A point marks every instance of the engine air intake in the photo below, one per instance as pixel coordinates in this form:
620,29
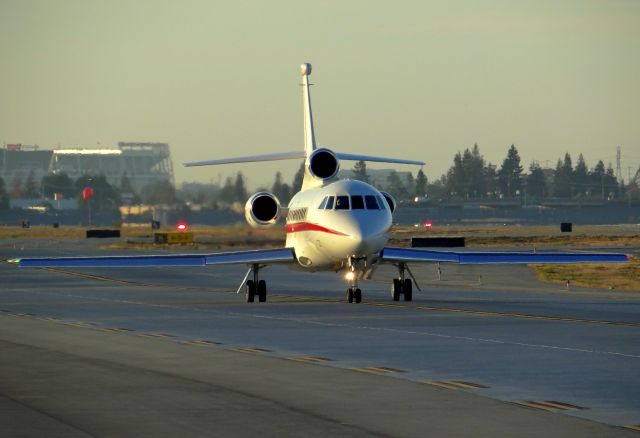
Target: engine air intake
323,164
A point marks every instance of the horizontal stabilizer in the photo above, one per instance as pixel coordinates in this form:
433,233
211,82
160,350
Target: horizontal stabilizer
267,256
358,157
250,159
481,258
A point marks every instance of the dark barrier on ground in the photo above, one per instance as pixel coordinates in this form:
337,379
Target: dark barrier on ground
566,227
103,233
437,242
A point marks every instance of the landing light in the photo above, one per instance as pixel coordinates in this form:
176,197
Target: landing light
182,226
350,275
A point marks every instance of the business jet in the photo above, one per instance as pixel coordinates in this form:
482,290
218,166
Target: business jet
331,225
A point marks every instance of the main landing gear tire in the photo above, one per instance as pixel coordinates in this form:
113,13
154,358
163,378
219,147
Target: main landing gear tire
262,291
350,295
251,291
396,289
399,287
407,289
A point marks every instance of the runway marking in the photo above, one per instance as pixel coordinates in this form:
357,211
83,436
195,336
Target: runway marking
200,342
155,335
309,359
548,405
299,298
377,370
454,384
251,350
125,282
117,330
635,427
80,324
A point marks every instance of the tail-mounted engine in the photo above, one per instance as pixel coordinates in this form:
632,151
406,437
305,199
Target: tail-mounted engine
323,164
390,201
262,210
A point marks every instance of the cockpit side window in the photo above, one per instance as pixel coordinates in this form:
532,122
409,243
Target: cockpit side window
371,202
381,203
329,205
357,203
342,203
323,203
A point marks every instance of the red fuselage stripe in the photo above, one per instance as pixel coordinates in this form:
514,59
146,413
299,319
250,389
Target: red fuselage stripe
305,226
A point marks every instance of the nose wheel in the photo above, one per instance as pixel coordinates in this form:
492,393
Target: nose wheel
354,294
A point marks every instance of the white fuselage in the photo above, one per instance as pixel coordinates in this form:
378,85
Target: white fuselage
333,224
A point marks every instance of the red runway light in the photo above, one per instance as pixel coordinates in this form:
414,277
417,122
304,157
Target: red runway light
182,226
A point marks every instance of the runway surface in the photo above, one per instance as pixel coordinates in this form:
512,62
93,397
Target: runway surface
486,350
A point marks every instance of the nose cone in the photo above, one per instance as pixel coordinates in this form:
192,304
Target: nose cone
364,236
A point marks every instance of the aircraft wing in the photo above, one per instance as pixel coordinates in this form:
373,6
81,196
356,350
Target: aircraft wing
358,157
266,256
486,258
250,159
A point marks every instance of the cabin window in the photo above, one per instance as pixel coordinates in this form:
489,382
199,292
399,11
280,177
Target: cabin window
323,203
329,205
381,202
342,203
357,203
371,202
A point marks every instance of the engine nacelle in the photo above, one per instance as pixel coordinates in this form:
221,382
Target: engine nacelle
262,210
323,164
390,201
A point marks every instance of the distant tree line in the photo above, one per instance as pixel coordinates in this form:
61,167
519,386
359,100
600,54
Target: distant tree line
470,178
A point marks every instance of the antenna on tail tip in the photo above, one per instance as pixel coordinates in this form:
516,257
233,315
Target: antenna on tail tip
305,69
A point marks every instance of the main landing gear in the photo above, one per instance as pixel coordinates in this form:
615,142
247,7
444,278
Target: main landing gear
256,286
403,286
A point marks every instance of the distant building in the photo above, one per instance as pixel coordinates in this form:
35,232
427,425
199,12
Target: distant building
142,163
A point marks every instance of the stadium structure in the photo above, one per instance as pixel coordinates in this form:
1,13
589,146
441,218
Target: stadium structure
142,163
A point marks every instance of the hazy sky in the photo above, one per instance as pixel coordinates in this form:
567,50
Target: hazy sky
413,79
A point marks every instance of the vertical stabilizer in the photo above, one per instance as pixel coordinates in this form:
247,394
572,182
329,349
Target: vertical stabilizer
309,134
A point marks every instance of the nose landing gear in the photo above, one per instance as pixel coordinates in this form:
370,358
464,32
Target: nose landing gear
353,293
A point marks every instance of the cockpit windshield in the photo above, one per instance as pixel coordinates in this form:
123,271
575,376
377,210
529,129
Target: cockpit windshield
354,202
342,203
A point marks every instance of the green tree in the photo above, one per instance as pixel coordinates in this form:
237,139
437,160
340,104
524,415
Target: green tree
360,171
509,175
228,193
280,189
580,177
467,178
58,183
4,196
298,178
491,180
536,185
410,185
562,178
239,189
421,183
395,186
